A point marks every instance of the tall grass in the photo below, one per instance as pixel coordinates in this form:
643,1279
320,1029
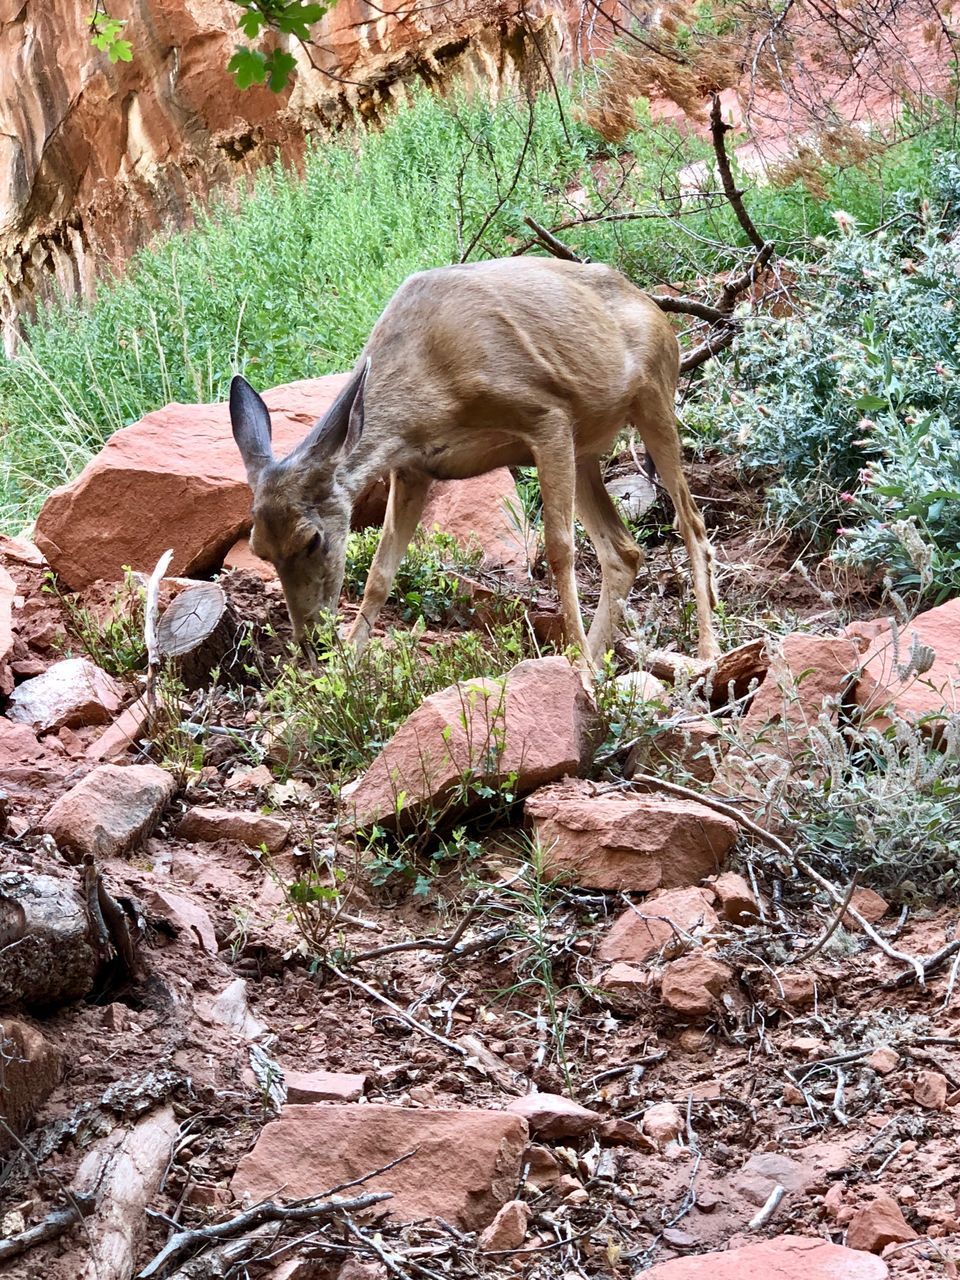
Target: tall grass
285,279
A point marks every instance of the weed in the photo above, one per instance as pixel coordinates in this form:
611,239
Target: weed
429,581
114,637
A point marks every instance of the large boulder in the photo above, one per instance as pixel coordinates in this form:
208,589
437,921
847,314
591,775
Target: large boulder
181,466
634,842
484,513
462,1165
532,727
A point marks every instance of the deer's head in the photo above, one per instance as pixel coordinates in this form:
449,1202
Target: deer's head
301,513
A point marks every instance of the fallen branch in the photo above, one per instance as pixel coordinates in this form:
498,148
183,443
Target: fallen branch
781,846
185,1242
550,242
51,1228
395,1008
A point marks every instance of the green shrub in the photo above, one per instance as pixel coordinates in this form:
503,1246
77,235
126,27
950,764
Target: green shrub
850,403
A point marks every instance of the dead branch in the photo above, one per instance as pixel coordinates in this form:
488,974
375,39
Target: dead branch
505,196
185,1242
551,243
715,342
734,195
395,1009
690,307
51,1228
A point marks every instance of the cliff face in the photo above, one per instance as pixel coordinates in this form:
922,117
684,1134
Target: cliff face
96,157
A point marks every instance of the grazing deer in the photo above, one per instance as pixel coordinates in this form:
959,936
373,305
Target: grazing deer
511,362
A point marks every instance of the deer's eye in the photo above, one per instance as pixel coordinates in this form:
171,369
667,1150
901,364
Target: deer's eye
313,545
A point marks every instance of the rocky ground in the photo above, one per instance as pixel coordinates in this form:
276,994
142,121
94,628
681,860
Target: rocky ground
659,1040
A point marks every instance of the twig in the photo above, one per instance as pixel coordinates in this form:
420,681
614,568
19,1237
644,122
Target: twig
929,964
509,191
770,1207
781,846
395,1008
833,926
717,132
550,241
185,1241
51,1228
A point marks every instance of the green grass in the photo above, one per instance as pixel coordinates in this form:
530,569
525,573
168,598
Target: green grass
285,280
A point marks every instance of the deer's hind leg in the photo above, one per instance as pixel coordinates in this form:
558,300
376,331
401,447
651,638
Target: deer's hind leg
408,496
617,552
553,454
657,424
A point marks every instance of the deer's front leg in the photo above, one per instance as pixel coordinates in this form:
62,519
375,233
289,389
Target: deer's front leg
408,494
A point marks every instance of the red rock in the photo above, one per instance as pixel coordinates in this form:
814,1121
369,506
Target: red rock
119,737
884,1060
659,924
535,724
881,688
188,916
635,842
930,1090
465,1164
241,557
20,551
869,904
485,513
31,1069
252,829
693,984
878,1223
783,1258
689,747
180,461
111,811
663,1123
636,687
324,1086
507,1230
18,744
807,674
542,1167
550,1115
768,1169
72,692
738,903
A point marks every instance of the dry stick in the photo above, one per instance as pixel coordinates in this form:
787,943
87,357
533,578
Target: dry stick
550,241
185,1241
834,924
781,846
395,1008
51,1228
770,1207
929,964
717,132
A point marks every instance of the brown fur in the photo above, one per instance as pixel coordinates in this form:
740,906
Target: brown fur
512,362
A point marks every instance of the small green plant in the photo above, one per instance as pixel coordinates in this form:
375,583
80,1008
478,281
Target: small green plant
113,637
340,717
428,584
540,951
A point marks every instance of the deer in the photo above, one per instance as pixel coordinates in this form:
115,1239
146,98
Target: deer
509,362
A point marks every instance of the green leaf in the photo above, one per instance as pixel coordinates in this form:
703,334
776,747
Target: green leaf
120,51
248,66
870,404
280,65
252,23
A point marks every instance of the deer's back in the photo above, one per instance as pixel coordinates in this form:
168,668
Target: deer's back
466,360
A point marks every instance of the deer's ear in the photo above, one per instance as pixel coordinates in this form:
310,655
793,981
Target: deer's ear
339,430
250,419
